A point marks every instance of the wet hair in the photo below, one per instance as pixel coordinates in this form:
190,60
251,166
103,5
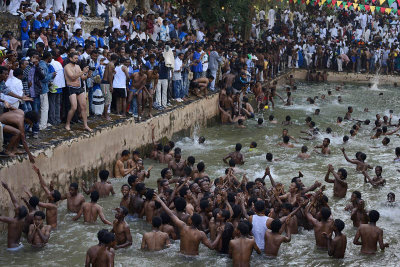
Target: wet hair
259,205
165,218
276,225
101,234
56,195
196,220
304,149
202,139
74,185
287,206
243,228
191,160
22,212
226,237
140,187
200,166
159,147
260,121
249,185
329,130
367,122
373,216
308,119
312,123
132,179
125,153
326,213
343,172
156,222
104,175
171,144
39,213
108,238
164,172
339,119
232,163
352,132
357,194
328,140
204,204
397,151
345,138
34,201
33,116
238,147
149,194
183,191
339,225
386,139
269,156
166,149
271,117
236,211
124,210
126,186
94,196
254,144
180,204
363,156
288,118
187,170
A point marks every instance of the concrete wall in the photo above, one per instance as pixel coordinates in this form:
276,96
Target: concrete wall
82,157
352,77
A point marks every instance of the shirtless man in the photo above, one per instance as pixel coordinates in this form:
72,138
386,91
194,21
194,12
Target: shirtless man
165,157
107,84
359,214
241,248
370,235
337,245
16,224
53,197
39,234
286,142
137,202
339,183
166,227
14,123
377,180
303,154
360,161
155,240
126,196
226,117
325,150
151,82
177,165
273,239
119,170
74,199
200,85
101,254
121,229
103,187
139,89
189,234
323,226
91,210
237,156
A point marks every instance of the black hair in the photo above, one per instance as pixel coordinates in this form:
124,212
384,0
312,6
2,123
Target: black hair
22,212
276,225
39,213
243,227
286,139
287,206
345,138
326,213
34,201
104,175
271,117
387,139
149,194
132,179
164,172
33,116
204,204
259,205
200,166
56,195
191,160
357,194
125,152
260,121
288,118
343,172
339,119
373,216
304,149
94,196
156,222
74,185
339,225
269,156
238,147
196,220
232,163
180,204
183,191
140,187
124,210
165,218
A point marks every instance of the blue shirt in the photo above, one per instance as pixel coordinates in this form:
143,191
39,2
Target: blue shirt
80,40
199,66
151,67
24,35
37,25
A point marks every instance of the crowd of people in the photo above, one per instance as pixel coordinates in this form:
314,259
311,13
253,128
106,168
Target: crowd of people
157,58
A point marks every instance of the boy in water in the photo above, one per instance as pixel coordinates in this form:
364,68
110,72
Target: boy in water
337,245
39,234
237,156
325,150
324,226
91,210
339,183
370,235
101,254
241,248
119,169
287,121
303,154
103,187
271,119
155,240
360,161
377,180
74,198
121,229
286,142
273,239
16,224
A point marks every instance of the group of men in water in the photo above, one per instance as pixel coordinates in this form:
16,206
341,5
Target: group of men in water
228,214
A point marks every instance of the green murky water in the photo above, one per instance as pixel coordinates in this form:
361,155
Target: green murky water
68,244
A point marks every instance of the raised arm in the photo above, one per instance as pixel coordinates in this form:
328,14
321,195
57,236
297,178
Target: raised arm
347,158
42,183
327,179
309,216
337,178
13,199
178,223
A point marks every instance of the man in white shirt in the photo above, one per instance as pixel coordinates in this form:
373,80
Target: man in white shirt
200,35
55,91
16,87
177,78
